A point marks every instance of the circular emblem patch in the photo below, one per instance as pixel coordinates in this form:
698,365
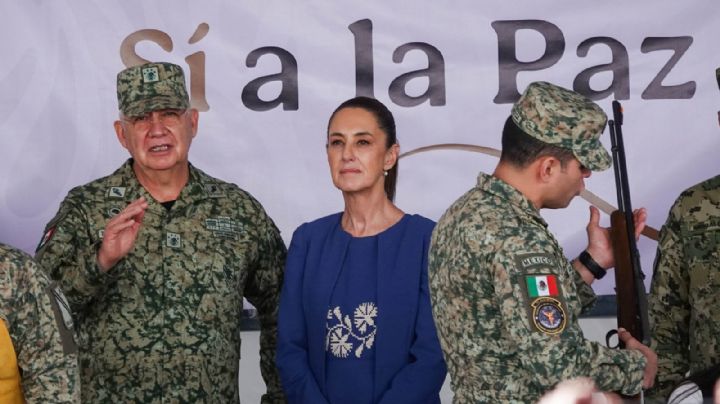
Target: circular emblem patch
548,315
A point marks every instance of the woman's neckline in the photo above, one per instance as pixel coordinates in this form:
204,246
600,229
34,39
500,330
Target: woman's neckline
386,230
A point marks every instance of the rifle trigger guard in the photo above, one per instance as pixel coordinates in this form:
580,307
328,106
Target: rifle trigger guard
609,335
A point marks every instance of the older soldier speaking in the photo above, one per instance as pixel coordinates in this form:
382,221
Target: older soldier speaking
156,257
506,300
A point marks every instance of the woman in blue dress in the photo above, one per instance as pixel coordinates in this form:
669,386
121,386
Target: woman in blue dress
355,322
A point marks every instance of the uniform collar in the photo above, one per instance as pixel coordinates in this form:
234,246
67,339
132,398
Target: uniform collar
514,198
199,186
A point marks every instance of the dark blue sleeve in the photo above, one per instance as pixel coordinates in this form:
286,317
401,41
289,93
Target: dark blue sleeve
421,380
292,361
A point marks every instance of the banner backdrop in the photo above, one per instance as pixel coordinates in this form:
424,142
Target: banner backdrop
267,74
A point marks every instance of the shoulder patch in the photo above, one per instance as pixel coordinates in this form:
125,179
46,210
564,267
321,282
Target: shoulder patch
548,315
52,225
46,237
541,285
535,260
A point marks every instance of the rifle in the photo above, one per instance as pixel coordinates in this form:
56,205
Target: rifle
632,311
629,277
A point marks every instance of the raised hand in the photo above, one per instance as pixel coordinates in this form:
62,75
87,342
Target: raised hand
120,234
599,243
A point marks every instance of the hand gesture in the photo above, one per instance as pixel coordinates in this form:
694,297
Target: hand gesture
599,243
120,234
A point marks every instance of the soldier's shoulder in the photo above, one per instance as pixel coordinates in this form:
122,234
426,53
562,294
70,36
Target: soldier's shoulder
96,188
15,258
12,253
227,189
230,196
705,192
16,264
710,185
482,215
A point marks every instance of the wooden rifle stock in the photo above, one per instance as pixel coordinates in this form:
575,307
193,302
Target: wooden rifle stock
629,315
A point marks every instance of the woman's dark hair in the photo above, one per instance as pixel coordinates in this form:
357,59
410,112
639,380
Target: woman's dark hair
386,122
705,381
521,149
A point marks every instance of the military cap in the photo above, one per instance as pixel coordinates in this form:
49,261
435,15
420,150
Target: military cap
563,118
151,86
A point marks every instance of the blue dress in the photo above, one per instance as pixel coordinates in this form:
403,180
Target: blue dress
373,287
352,326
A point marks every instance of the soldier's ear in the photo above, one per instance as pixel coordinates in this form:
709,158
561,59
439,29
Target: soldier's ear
547,167
120,133
194,117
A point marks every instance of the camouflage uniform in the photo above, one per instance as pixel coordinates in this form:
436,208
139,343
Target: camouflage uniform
39,324
685,292
505,299
163,325
485,247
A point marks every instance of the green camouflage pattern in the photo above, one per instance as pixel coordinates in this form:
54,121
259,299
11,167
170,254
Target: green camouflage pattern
149,87
684,297
163,325
483,248
30,307
564,118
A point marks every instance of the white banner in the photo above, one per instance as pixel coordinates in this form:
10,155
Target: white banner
267,75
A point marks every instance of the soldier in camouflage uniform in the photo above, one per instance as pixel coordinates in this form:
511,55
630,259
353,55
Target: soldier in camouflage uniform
38,358
155,260
684,301
505,299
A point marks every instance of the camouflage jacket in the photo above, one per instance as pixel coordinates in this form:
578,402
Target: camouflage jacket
506,303
40,327
163,325
685,290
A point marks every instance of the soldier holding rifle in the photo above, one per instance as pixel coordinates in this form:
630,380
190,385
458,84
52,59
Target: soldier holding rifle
505,299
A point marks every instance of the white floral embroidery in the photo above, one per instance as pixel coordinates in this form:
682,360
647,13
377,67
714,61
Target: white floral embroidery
339,343
365,316
341,337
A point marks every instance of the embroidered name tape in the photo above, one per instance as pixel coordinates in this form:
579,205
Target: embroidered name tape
223,227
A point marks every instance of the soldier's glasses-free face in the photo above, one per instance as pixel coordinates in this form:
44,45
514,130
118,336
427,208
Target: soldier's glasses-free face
167,117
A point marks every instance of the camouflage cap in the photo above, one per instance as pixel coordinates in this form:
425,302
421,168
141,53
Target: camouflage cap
563,118
149,87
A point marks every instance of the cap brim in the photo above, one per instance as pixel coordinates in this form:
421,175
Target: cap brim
593,156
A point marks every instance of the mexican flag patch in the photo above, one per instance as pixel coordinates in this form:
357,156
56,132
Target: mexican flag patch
541,285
